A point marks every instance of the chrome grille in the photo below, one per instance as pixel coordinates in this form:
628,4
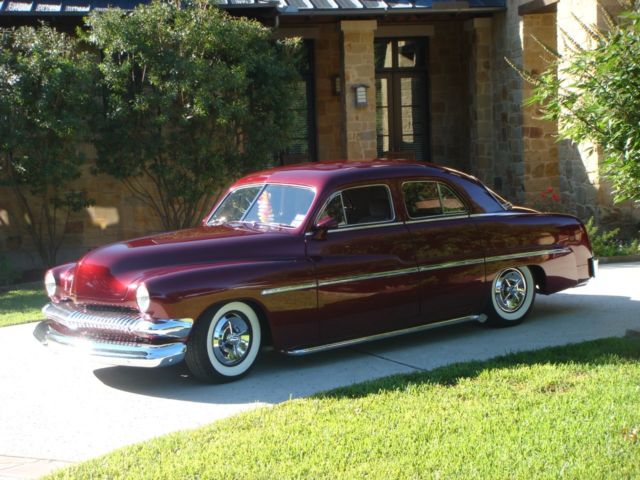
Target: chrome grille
77,317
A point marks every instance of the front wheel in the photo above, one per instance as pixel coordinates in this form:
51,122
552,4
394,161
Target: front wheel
512,293
224,343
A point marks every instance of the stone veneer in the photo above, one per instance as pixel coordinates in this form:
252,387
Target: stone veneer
478,122
541,161
507,176
358,68
449,95
329,115
116,215
481,98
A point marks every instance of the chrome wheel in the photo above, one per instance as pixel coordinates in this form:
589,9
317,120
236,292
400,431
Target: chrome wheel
224,343
512,294
231,339
510,290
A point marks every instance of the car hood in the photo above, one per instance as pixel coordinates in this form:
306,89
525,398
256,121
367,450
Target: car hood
111,273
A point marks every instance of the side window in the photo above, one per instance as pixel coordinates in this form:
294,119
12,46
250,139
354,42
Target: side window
421,199
427,199
360,205
333,209
450,201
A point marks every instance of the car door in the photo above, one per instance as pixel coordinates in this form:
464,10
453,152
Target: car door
365,266
448,248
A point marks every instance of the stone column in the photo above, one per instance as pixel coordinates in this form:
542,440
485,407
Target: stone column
481,99
328,104
358,68
539,136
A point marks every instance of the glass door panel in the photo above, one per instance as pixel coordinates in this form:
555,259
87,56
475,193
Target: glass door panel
401,98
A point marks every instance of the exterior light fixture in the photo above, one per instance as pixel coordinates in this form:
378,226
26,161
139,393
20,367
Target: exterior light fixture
361,95
336,85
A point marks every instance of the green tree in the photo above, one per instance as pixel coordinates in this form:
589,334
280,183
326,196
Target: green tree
46,96
593,92
193,97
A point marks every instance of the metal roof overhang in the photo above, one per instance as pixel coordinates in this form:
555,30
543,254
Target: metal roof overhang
267,9
390,12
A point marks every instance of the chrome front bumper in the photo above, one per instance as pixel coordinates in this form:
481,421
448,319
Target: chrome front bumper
172,332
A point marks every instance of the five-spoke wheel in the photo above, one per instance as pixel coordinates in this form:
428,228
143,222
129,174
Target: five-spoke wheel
224,343
512,294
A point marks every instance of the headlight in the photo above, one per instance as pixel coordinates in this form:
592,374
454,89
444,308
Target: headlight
142,297
50,283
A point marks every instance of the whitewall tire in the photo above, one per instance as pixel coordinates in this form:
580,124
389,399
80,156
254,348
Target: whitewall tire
225,343
513,291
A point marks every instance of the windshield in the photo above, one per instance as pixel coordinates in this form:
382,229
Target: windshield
270,204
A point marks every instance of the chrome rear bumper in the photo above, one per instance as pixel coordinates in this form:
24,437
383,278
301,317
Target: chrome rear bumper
173,333
593,267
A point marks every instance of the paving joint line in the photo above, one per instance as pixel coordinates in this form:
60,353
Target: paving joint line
382,357
38,459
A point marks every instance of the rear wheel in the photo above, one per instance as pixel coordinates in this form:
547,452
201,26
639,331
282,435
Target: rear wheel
512,293
224,343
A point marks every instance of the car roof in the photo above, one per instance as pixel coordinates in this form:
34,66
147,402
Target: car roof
322,174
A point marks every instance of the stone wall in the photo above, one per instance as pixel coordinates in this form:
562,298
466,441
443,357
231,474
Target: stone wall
116,215
481,159
328,105
358,69
539,136
449,96
508,150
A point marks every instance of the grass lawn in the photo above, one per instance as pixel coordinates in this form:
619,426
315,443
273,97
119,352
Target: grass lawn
22,305
570,412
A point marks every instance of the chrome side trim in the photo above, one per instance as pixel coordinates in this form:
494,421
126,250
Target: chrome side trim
460,263
134,355
408,271
364,226
535,253
368,276
438,218
74,318
504,213
289,288
380,336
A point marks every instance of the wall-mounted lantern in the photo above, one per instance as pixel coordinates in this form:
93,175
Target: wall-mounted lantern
336,85
360,90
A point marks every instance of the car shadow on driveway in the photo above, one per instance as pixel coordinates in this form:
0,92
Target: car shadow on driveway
555,320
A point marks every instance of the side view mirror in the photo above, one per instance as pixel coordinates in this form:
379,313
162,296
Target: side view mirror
321,228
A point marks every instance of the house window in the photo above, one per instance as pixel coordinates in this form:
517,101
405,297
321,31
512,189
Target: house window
302,147
401,98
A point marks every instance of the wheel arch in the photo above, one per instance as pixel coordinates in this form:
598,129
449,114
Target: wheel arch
261,312
539,277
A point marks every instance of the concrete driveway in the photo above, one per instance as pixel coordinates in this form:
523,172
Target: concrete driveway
54,411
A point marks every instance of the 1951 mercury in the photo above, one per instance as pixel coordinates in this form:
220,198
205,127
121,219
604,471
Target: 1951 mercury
312,257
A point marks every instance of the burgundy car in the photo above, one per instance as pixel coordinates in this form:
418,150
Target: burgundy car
313,257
